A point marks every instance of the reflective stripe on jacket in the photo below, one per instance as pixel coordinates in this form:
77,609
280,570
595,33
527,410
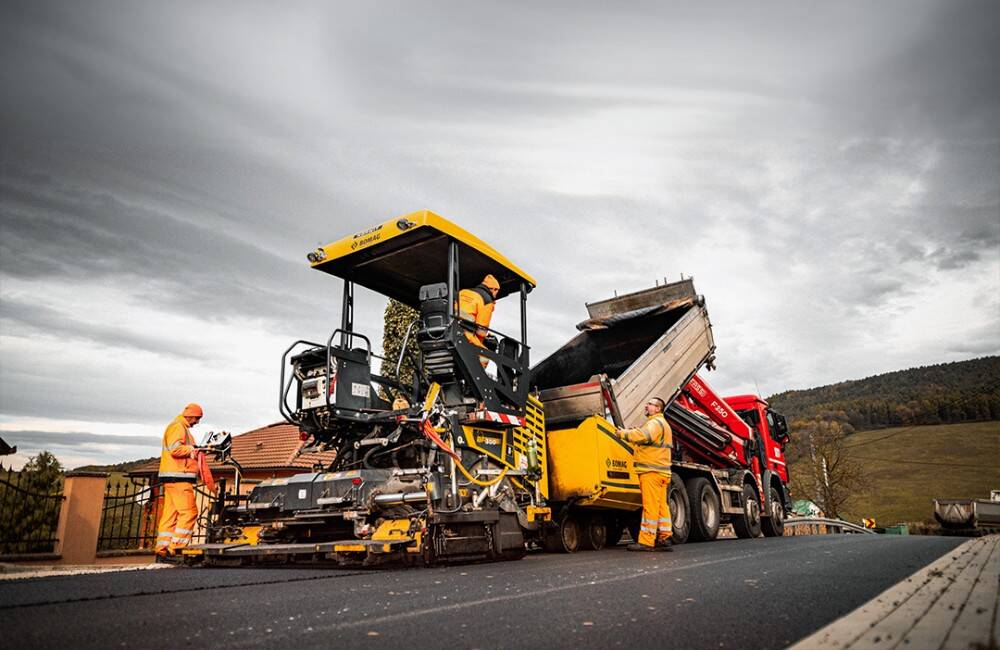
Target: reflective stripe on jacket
476,306
175,458
652,442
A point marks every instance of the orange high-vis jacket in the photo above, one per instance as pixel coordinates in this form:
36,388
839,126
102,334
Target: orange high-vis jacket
476,306
652,442
176,463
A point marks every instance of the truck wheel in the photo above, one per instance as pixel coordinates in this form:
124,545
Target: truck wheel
774,526
705,510
748,524
680,510
564,537
595,534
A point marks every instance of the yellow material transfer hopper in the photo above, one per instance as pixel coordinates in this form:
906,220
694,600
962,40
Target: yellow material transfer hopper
590,467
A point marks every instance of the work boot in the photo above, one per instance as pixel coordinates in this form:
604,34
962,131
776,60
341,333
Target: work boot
640,547
168,558
665,545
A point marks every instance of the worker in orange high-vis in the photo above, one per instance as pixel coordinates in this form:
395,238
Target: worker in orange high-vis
178,475
475,306
651,451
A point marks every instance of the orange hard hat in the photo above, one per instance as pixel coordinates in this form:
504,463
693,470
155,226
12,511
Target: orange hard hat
192,411
491,283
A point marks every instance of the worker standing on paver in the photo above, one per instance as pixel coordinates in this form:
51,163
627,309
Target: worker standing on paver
652,442
476,306
178,475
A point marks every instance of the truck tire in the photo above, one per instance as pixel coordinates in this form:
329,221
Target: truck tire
680,513
594,533
706,510
564,537
747,525
774,526
680,510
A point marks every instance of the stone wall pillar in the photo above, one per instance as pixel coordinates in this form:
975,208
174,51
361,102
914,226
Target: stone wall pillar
80,517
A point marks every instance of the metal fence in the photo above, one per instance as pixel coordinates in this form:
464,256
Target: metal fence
29,513
131,513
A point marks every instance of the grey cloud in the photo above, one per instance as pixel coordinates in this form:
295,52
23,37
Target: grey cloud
909,251
37,319
874,291
982,340
948,260
190,156
57,232
936,75
666,45
77,449
978,348
53,440
158,93
944,258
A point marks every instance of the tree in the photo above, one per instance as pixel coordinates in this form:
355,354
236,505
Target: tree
825,470
42,473
398,318
34,514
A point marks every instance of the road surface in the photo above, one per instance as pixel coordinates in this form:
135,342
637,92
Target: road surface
763,593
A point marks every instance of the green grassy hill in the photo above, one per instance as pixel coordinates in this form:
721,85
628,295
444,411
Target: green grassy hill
911,466
947,393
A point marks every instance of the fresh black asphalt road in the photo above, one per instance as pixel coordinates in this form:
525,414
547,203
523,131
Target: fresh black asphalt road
761,593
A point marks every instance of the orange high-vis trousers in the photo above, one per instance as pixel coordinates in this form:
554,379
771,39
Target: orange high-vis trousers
655,524
179,516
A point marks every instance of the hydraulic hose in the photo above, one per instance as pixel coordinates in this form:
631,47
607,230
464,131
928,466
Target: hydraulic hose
432,433
476,481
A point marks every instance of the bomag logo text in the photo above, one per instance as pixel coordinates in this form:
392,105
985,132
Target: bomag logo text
370,231
614,463
366,237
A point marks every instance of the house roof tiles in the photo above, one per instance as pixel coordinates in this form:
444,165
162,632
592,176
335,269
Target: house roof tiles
272,447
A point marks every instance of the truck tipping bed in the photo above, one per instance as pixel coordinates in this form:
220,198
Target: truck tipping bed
633,347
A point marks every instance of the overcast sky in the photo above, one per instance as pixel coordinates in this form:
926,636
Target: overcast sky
827,172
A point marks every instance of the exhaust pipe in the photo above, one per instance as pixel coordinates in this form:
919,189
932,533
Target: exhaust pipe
396,498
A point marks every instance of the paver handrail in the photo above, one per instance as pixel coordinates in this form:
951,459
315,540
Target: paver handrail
845,526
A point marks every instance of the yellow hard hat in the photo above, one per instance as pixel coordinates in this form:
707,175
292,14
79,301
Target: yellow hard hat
490,282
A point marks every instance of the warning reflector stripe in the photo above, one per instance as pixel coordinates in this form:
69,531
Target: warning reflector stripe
493,416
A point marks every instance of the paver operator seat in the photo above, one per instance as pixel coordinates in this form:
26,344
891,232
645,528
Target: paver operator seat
421,260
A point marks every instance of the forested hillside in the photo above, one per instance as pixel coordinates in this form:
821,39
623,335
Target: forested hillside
123,467
962,391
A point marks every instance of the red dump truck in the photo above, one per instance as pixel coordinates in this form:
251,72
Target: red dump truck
728,460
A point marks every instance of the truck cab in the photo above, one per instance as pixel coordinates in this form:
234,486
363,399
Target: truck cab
770,427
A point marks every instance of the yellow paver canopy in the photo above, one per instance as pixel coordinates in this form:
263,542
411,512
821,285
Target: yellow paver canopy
395,258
